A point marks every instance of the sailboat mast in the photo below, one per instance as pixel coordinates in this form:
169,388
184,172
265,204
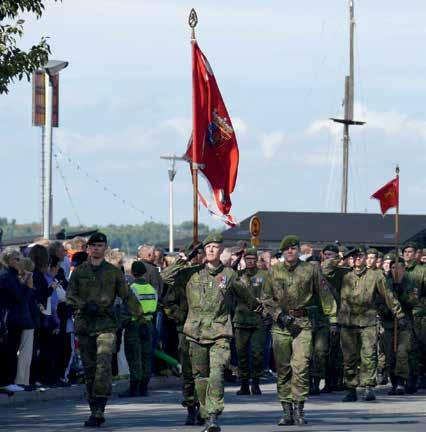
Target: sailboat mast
349,112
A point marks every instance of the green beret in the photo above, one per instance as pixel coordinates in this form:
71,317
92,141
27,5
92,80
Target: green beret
138,268
373,251
330,248
251,251
97,237
380,254
359,249
390,256
410,244
213,238
289,241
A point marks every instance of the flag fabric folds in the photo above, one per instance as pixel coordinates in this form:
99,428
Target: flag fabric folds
388,195
214,145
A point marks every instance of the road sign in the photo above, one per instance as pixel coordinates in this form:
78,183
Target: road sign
255,226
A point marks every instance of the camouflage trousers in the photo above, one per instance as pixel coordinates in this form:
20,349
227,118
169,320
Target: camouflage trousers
188,385
397,363
359,346
419,346
96,354
292,354
208,365
321,338
246,338
138,350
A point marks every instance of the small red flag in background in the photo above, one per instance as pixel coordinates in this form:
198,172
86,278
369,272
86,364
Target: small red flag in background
213,144
388,195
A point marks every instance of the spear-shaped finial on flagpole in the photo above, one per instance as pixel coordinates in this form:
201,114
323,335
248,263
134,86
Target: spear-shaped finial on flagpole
193,21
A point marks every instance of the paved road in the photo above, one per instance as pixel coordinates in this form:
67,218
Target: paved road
162,412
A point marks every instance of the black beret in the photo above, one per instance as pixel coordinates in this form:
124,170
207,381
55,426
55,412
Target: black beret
97,237
138,268
330,248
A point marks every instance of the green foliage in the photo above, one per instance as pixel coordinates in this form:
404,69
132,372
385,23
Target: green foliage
125,237
14,62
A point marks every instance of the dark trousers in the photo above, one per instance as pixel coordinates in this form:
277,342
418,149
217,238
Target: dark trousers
12,346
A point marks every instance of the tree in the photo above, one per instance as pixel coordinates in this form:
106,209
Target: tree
14,62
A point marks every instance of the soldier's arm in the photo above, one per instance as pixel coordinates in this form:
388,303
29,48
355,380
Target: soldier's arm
388,296
241,290
271,305
333,273
328,302
171,273
409,295
127,295
73,298
175,303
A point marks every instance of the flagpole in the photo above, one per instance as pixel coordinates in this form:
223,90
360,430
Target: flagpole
193,21
395,321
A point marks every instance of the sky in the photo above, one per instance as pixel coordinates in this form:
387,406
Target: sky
125,100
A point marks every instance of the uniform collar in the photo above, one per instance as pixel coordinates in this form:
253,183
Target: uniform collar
214,270
291,267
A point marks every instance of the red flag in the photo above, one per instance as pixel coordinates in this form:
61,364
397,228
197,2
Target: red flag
214,144
388,195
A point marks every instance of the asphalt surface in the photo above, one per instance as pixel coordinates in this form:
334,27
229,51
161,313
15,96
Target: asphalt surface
161,411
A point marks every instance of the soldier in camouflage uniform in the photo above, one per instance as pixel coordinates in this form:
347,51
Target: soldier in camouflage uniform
93,288
359,288
210,289
294,289
250,330
416,274
320,337
176,308
334,361
397,363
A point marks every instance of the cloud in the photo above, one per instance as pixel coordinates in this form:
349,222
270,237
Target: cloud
271,142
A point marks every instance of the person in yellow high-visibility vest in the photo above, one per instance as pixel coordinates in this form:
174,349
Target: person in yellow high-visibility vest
138,337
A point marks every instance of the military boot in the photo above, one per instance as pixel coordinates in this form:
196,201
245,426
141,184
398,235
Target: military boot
91,421
400,387
143,387
100,405
288,418
245,389
212,424
394,382
132,391
351,396
255,389
299,413
192,416
369,394
314,388
382,378
411,386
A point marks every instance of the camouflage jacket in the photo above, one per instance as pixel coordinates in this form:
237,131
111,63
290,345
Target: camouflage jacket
406,295
100,285
254,280
297,290
416,274
209,296
358,294
175,277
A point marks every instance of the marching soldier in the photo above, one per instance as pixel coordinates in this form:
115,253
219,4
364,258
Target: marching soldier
416,274
210,289
294,288
249,326
93,288
176,308
397,363
358,289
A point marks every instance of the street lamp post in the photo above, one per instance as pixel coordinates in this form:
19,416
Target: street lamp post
172,173
52,68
